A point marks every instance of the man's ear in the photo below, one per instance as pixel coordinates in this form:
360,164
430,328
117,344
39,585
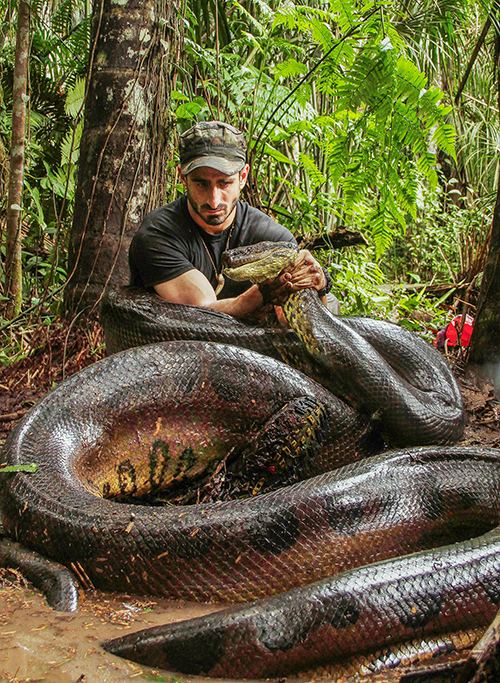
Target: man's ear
182,176
244,176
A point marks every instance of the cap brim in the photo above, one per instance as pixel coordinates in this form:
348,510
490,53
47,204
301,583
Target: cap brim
218,163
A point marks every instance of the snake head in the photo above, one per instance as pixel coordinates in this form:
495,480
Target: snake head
258,262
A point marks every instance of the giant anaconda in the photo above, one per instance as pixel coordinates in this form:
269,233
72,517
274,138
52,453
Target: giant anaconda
149,416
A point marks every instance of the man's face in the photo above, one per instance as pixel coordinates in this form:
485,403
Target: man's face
212,196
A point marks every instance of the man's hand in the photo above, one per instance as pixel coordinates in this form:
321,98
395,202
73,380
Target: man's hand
194,289
304,273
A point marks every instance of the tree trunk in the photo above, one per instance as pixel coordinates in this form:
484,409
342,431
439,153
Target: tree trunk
485,340
123,151
13,270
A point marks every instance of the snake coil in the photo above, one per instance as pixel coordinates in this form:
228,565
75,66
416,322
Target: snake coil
337,563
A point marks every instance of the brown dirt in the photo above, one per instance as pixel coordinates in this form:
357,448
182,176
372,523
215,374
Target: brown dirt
57,353
37,644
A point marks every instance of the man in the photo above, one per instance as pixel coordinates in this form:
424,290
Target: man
178,247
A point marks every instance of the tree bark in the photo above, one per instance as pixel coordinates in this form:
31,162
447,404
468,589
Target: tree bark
485,340
123,151
13,287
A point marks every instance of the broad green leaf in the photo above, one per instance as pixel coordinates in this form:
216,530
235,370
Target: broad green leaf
31,468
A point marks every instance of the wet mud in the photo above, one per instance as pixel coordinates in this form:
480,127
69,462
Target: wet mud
38,644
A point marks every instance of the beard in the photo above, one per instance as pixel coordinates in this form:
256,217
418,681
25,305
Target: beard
201,209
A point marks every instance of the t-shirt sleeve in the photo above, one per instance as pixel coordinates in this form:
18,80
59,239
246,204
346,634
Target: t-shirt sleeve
165,246
259,227
156,257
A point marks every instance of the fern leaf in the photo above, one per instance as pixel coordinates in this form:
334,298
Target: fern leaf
286,15
380,227
444,137
317,178
75,98
290,68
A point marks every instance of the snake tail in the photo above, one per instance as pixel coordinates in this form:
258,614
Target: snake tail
55,581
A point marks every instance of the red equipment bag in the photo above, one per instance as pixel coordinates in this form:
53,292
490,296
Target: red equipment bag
448,336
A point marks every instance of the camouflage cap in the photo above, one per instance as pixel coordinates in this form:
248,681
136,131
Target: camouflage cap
214,144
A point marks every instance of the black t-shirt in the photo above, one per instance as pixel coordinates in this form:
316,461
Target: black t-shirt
169,243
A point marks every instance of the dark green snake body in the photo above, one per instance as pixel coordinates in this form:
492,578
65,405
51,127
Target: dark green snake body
160,415
407,498
377,367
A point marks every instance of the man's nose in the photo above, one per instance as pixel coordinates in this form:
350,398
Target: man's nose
214,197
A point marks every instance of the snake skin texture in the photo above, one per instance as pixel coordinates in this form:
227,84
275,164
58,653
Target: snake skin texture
375,366
55,581
417,498
382,369
368,607
292,539
136,421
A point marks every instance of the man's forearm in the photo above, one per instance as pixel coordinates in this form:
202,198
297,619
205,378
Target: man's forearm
240,306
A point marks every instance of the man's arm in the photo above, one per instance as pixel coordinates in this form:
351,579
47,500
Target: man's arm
194,289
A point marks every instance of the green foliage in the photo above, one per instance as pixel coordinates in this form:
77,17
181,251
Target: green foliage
350,119
443,243
8,469
348,126
363,288
333,104
58,64
357,284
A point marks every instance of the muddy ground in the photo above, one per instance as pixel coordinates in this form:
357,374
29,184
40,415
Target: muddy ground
38,644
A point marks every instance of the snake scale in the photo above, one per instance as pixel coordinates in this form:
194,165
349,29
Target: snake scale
338,563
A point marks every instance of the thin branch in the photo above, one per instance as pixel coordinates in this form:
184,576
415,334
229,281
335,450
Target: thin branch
217,52
473,58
